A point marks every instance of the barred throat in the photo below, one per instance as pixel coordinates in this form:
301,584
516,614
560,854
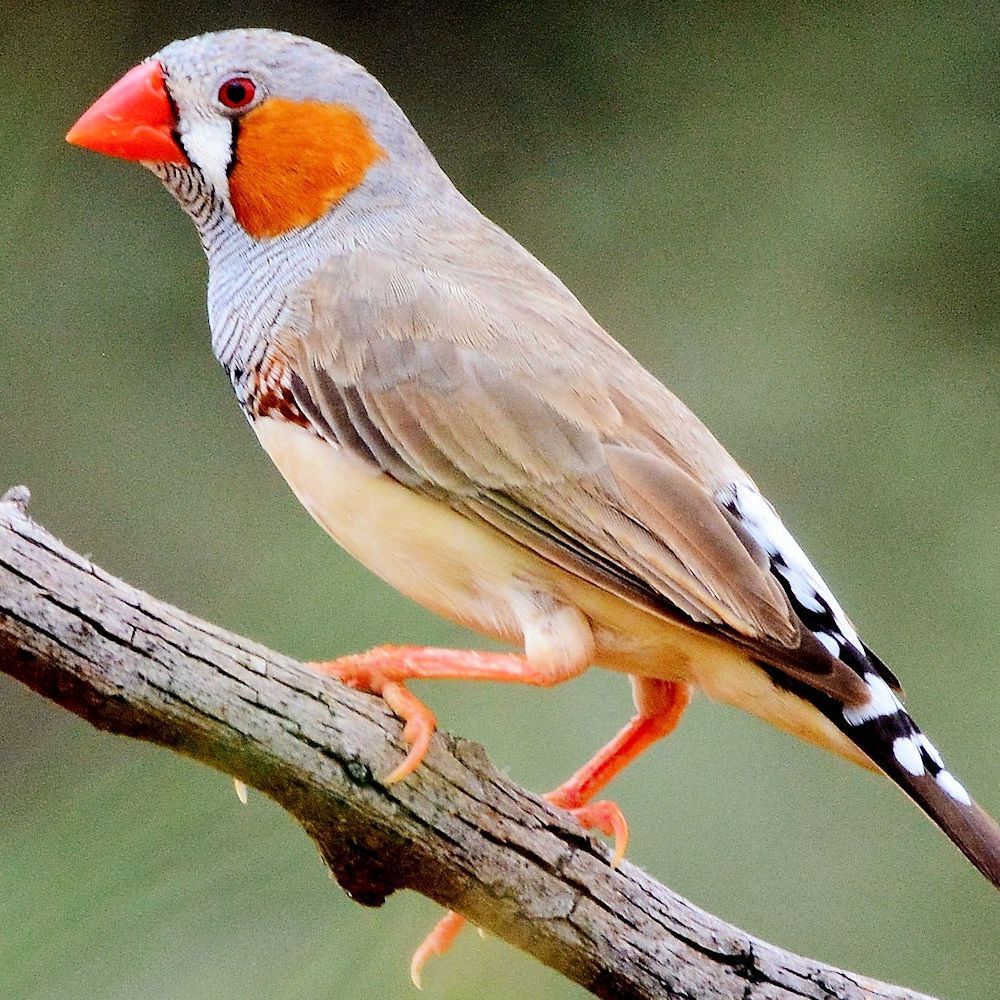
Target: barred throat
196,196
251,283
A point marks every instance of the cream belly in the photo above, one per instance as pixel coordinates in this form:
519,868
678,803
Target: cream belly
472,575
464,571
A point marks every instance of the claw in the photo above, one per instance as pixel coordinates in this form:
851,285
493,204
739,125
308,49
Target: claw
603,817
384,671
419,727
241,790
380,672
607,818
437,942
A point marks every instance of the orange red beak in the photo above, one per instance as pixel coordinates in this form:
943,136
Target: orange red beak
134,119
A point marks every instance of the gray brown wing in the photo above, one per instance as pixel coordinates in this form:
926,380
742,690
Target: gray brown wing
530,441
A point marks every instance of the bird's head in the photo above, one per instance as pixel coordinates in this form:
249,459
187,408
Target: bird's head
261,128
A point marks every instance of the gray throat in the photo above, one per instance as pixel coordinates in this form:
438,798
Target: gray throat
250,282
253,284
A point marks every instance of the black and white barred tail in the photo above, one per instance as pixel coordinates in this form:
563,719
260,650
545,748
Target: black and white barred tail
891,739
879,726
888,737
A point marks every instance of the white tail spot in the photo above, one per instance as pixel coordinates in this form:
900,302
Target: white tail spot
930,749
881,702
828,640
950,784
906,751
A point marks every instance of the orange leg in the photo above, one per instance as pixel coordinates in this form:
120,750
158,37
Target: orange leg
659,706
384,670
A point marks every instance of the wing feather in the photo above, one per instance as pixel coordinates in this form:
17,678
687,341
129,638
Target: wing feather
444,387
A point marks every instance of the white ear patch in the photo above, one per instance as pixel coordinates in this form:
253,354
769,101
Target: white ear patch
208,143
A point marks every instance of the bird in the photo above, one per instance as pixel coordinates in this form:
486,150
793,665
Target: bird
452,415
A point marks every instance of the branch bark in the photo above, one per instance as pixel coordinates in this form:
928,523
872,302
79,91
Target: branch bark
457,830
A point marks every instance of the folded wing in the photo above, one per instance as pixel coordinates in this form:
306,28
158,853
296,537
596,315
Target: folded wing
506,412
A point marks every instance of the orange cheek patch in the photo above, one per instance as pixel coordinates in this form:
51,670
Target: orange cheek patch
294,160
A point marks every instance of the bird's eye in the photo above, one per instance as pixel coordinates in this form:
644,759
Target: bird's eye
237,92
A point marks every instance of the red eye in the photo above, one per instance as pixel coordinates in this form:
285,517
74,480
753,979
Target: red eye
237,92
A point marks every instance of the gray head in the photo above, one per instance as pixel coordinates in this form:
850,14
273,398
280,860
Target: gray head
263,129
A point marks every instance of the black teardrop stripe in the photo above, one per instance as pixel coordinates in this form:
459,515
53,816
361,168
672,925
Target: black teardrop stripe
233,146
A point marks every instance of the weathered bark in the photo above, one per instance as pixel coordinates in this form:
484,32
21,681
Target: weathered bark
457,830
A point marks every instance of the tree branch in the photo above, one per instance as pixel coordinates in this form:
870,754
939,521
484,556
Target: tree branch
456,831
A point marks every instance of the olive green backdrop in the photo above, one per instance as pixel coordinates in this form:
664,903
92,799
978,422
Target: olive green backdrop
790,217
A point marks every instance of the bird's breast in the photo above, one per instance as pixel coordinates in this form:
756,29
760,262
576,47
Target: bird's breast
459,568
418,545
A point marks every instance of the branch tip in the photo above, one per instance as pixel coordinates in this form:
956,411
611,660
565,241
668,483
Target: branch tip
17,496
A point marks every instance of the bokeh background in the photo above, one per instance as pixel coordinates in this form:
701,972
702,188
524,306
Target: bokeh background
789,212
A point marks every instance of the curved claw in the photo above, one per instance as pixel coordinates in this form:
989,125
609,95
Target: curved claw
419,727
607,818
603,817
380,672
440,939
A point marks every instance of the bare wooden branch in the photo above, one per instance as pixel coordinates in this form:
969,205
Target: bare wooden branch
457,830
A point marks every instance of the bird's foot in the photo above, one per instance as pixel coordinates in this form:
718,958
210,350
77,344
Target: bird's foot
384,670
603,817
381,672
438,942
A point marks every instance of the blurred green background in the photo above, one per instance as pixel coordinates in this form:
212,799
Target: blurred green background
790,216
